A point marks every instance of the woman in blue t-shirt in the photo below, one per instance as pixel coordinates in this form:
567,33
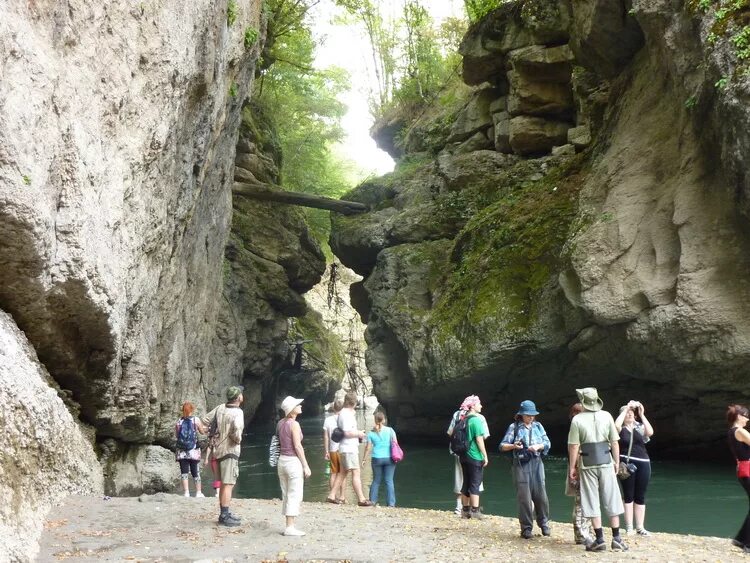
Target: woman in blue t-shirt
379,439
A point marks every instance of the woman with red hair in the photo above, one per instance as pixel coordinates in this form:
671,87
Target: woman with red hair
739,443
188,453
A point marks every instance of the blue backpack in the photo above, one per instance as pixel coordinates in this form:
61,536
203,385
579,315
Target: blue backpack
187,437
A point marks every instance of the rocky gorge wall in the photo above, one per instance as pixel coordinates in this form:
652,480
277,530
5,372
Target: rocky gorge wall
584,222
118,248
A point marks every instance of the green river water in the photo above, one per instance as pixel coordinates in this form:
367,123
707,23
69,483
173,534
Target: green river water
683,497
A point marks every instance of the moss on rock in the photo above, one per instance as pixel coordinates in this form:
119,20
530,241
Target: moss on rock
507,253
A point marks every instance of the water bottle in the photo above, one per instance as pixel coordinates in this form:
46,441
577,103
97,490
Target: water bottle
328,467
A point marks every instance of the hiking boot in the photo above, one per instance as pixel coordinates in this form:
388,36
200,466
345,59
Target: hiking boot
618,544
596,545
465,512
546,531
642,532
526,534
476,513
229,521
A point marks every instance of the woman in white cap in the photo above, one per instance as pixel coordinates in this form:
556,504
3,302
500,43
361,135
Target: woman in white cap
527,440
292,466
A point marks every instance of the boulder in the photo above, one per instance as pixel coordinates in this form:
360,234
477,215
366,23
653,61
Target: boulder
477,142
579,137
133,470
543,64
498,105
475,117
535,135
529,97
604,35
386,129
548,21
502,132
564,150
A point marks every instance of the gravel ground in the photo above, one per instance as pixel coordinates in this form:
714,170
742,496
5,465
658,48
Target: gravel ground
172,528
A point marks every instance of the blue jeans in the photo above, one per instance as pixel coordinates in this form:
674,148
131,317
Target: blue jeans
383,467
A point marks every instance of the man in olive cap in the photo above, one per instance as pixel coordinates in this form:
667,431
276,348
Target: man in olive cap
230,422
594,455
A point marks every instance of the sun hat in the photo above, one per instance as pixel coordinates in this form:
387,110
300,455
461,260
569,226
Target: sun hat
527,408
469,402
288,404
589,398
234,392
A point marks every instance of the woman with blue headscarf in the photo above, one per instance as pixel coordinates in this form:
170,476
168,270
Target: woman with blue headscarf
528,442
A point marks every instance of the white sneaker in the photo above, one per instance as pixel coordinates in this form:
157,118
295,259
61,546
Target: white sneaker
642,532
458,510
629,531
291,531
199,495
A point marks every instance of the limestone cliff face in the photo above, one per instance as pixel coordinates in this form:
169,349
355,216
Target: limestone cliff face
501,269
118,125
46,453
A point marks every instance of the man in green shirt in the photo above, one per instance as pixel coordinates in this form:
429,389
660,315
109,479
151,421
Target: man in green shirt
474,460
594,454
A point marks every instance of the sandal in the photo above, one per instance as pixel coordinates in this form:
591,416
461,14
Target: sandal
365,503
333,500
341,500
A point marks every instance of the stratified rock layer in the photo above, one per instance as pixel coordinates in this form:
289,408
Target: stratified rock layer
626,266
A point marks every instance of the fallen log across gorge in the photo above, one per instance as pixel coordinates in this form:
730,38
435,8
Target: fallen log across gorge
269,192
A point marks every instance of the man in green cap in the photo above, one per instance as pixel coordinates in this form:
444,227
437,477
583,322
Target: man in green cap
594,455
230,422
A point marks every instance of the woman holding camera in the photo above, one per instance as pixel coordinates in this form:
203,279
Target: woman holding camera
635,432
527,440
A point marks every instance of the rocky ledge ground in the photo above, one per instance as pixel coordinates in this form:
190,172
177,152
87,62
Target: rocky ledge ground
172,528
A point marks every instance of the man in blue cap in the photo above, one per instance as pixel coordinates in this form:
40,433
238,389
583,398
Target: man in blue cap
528,441
230,422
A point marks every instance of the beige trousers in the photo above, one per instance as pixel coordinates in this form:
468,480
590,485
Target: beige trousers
292,481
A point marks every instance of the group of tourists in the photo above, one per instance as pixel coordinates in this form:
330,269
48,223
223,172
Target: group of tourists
601,450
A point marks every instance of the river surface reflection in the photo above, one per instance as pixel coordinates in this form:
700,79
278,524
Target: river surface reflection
683,497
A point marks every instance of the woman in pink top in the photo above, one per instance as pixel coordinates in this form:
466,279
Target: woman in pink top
292,466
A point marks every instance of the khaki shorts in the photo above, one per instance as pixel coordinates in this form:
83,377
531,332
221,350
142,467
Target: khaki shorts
349,461
335,462
599,485
229,469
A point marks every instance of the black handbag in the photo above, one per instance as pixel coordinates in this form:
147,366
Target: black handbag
625,470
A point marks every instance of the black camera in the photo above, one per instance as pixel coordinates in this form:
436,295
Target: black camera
632,467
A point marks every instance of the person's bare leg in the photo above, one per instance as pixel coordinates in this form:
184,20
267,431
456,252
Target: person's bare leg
337,484
628,515
639,516
225,495
474,501
357,485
